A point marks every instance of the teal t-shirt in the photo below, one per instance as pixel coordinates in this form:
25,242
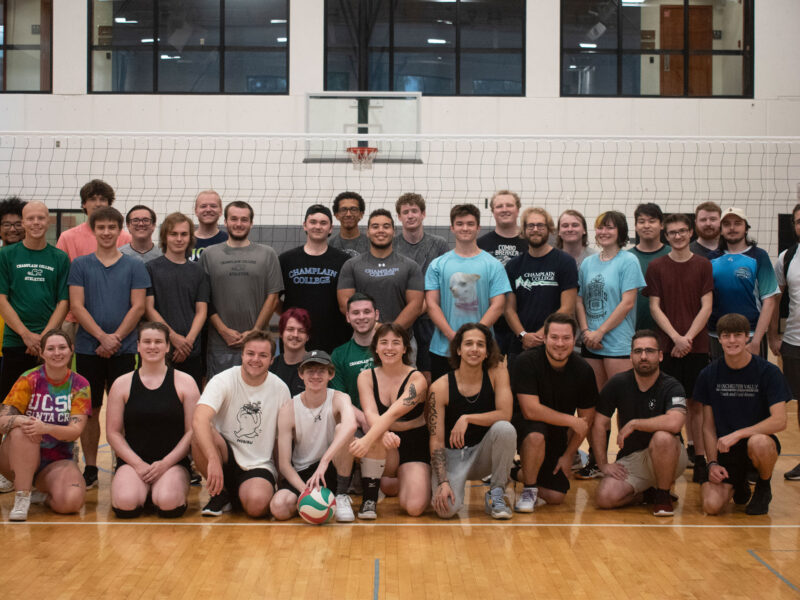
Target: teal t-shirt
644,320
350,359
34,281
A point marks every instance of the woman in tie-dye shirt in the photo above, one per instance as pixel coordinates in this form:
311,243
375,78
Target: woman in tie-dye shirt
43,415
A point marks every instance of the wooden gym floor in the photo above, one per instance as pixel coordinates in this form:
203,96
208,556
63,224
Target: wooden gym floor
569,551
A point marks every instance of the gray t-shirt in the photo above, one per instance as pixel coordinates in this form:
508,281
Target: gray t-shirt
424,251
353,247
241,279
145,257
176,289
385,279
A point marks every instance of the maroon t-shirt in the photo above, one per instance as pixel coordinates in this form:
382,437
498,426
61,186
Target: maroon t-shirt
680,286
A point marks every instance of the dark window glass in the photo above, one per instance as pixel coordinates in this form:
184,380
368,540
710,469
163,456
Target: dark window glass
25,45
182,46
449,48
637,48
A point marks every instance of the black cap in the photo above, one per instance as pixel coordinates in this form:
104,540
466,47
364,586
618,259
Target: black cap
316,356
319,208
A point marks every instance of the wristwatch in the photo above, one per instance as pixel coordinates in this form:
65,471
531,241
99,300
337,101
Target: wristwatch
522,334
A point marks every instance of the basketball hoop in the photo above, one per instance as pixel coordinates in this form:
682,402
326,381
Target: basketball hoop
362,156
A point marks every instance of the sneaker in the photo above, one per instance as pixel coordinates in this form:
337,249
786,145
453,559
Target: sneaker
496,505
22,502
8,486
90,477
344,509
581,459
590,471
752,476
741,493
649,496
195,478
367,510
794,474
759,503
662,507
38,497
527,500
217,505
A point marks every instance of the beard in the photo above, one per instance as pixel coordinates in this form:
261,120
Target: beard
381,246
534,243
236,237
645,369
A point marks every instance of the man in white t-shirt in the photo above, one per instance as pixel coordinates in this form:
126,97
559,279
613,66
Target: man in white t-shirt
235,426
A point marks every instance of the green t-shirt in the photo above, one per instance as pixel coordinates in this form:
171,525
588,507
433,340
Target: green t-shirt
350,359
644,319
34,281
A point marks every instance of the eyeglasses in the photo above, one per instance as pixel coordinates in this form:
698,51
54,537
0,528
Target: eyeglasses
15,225
535,226
144,221
349,209
678,232
640,351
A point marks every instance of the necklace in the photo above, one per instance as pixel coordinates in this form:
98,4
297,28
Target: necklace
605,257
318,415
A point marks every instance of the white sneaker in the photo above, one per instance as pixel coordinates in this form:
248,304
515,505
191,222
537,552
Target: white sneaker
527,500
344,509
38,497
22,502
6,485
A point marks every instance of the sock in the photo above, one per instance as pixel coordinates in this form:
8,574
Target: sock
529,485
699,460
90,469
764,483
371,472
515,471
343,483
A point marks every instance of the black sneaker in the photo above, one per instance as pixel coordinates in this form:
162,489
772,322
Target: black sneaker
590,471
741,493
217,505
759,503
90,477
794,474
195,478
752,476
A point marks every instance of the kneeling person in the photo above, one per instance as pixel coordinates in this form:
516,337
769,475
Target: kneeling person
744,405
468,421
314,431
235,425
550,383
651,409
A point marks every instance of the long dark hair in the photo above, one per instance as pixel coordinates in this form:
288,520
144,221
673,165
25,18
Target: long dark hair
400,332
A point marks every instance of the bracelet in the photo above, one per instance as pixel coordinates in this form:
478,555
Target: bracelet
710,463
441,483
584,330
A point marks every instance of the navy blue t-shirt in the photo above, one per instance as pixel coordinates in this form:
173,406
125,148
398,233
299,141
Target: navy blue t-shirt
740,397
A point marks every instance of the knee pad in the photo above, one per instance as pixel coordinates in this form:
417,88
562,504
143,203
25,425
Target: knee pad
127,514
173,513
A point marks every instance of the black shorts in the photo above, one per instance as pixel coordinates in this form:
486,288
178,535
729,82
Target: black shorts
555,444
414,445
423,333
235,476
305,475
685,369
101,372
791,367
192,366
586,353
15,362
440,365
737,463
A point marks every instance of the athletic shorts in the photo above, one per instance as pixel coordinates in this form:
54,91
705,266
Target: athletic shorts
555,444
305,475
47,456
737,462
423,333
235,476
685,369
641,475
586,353
414,445
791,367
101,372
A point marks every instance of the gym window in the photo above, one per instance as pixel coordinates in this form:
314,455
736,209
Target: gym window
697,48
444,47
25,45
189,46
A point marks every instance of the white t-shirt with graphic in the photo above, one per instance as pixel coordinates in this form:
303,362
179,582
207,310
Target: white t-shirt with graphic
247,416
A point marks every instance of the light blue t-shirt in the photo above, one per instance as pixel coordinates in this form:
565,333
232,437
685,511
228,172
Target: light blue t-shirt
601,285
741,282
466,285
107,296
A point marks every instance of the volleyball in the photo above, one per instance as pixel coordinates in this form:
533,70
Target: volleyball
317,506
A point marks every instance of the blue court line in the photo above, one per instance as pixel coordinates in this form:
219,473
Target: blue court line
376,582
773,571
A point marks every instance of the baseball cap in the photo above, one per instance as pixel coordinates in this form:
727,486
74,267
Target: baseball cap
737,212
316,356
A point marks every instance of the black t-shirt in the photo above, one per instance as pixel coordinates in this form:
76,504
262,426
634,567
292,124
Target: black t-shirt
564,390
622,393
503,249
310,282
537,283
288,374
201,244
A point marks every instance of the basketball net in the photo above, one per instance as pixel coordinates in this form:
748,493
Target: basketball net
362,156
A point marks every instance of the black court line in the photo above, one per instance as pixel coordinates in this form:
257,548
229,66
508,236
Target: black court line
772,570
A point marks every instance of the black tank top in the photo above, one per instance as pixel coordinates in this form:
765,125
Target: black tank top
409,416
153,419
458,405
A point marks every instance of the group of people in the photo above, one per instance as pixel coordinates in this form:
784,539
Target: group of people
411,365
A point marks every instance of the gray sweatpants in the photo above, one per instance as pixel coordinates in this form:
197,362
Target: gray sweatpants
494,455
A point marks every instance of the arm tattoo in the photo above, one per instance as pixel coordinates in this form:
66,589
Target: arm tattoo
433,415
439,465
9,424
7,409
75,420
411,399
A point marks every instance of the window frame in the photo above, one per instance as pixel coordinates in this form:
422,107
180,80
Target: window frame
457,52
747,53
45,45
221,49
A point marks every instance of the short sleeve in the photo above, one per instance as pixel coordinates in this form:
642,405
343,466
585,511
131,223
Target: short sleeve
274,275
569,273
347,279
20,394
675,396
140,278
767,282
582,276
204,289
77,273
701,392
524,380
5,276
81,396
631,276
216,390
498,284
605,401
777,388
416,281
63,275
432,275
588,397
652,280
778,267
